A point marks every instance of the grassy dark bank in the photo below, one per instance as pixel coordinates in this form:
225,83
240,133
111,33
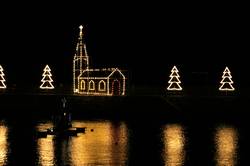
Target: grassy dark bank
127,107
163,108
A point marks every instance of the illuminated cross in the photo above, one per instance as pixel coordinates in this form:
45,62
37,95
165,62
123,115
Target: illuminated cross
80,27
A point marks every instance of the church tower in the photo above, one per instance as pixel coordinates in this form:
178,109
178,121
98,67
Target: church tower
80,61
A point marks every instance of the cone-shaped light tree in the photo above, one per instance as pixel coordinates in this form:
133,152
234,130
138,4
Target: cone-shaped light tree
2,80
226,82
174,82
47,80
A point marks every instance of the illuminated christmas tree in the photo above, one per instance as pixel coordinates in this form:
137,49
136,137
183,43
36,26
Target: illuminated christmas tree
2,80
174,82
226,82
47,80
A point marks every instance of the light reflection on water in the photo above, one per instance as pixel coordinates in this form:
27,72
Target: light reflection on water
3,143
226,139
107,144
174,145
45,147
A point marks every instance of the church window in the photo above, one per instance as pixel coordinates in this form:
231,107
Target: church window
102,86
91,85
82,85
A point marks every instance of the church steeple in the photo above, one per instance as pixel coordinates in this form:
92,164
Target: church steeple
81,47
81,59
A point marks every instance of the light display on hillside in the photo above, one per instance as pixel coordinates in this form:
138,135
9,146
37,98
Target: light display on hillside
97,82
174,82
47,80
2,79
226,82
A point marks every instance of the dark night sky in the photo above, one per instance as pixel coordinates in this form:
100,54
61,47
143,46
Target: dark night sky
146,40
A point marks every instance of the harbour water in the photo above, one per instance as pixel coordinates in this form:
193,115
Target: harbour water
126,142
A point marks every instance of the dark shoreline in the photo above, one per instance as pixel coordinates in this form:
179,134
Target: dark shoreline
163,108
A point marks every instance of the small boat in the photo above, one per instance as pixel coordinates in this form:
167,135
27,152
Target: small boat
72,131
62,125
41,134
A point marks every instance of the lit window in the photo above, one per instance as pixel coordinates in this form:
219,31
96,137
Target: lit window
91,85
102,86
82,85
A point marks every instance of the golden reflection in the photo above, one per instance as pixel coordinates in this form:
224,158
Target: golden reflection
45,147
174,145
105,145
119,136
226,139
3,144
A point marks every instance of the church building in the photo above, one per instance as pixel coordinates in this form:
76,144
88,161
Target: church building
95,82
